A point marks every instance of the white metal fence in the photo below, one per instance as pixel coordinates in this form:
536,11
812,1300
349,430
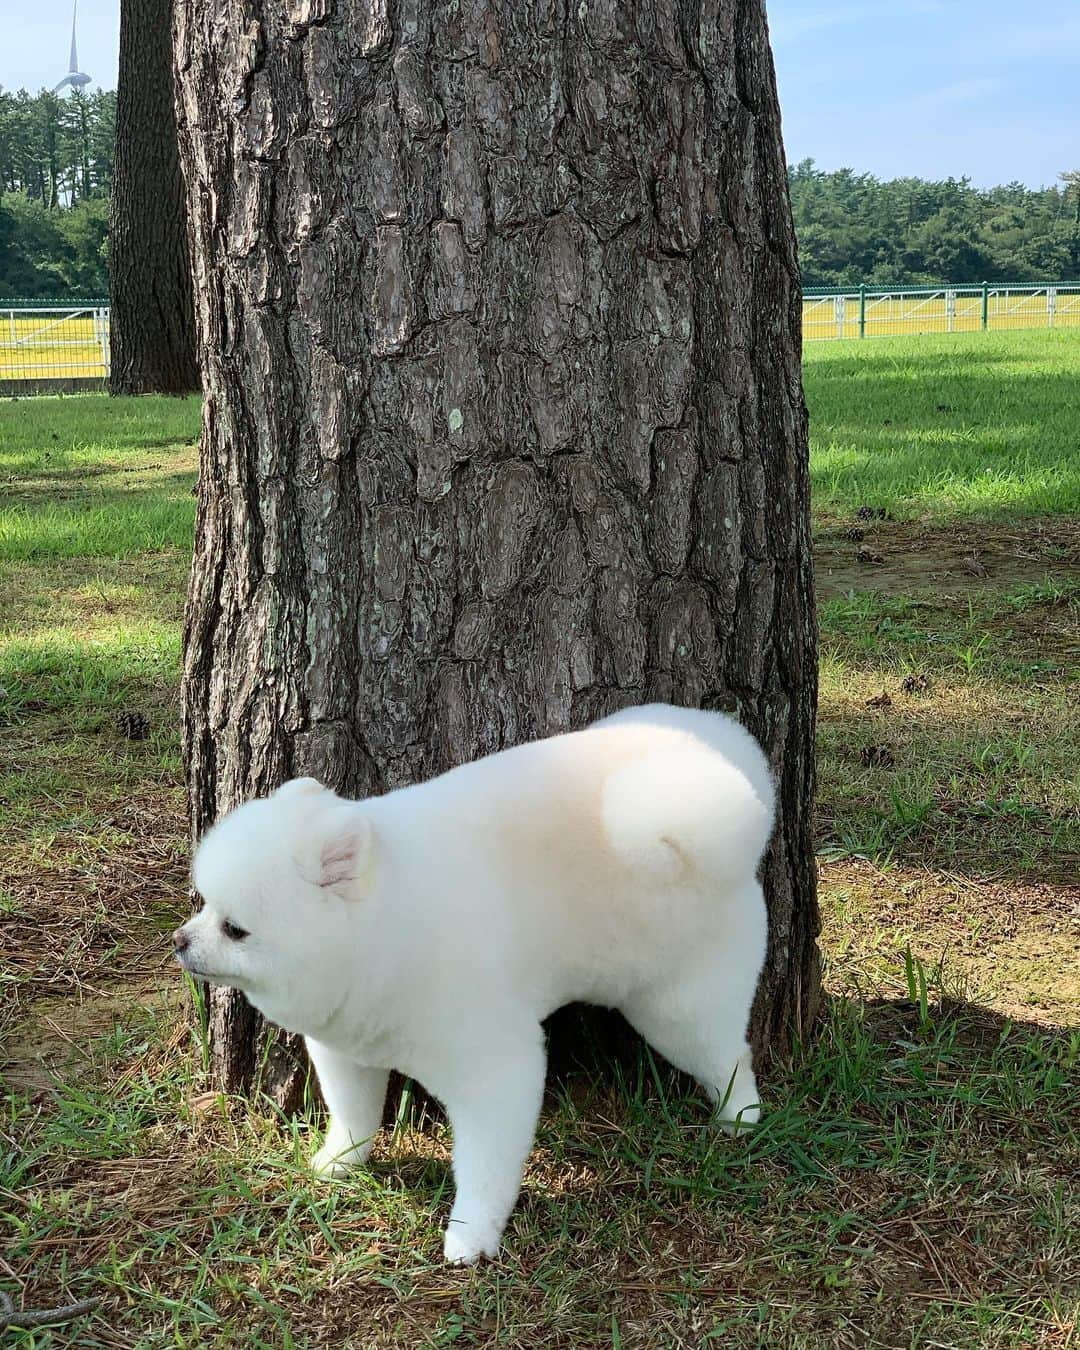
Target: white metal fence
861,311
54,343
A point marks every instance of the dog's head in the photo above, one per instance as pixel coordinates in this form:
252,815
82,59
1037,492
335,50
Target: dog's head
280,879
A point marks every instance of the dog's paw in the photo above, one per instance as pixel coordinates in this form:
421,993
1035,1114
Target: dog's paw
743,1123
333,1160
339,1154
328,1163
464,1244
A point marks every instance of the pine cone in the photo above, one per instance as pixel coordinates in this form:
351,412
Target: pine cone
876,757
133,725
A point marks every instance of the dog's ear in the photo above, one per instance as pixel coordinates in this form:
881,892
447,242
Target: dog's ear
346,853
298,787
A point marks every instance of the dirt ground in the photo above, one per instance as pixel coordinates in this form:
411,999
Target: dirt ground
906,558
89,933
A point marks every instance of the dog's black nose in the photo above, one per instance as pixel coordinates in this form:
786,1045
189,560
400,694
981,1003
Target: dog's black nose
180,941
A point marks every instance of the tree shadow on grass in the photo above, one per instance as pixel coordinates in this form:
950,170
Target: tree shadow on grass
914,1163
64,430
917,1146
884,1053
76,489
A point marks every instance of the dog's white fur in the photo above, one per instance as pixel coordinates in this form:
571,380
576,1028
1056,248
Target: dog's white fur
432,929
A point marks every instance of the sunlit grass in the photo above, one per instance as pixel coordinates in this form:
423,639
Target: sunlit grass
910,1182
974,425
940,722
93,477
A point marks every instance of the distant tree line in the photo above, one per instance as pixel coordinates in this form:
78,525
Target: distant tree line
56,172
853,227
56,169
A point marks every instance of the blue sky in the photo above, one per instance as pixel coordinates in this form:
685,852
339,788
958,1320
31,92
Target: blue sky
989,89
34,38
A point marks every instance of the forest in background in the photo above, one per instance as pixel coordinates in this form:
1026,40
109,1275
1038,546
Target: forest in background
854,228
56,165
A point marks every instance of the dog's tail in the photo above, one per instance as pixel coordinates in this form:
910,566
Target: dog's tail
687,810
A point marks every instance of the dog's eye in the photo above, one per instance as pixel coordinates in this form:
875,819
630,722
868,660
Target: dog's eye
232,931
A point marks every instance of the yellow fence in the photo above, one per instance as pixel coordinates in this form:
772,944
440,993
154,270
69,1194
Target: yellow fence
967,309
66,343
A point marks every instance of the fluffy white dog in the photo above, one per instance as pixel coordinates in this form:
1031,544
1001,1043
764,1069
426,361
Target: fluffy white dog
431,930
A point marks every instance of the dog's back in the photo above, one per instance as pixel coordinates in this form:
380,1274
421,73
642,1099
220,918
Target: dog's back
577,861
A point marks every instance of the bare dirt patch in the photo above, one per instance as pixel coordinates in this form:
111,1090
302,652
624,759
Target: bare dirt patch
53,1041
902,557
82,921
1003,945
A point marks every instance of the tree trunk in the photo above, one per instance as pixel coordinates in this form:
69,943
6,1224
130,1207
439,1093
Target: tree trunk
152,323
504,426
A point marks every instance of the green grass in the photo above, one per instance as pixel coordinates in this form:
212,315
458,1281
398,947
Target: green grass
975,425
985,740
47,435
65,671
912,1182
901,1129
935,427
94,477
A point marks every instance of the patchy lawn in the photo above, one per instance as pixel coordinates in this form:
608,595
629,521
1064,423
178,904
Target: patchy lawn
913,1182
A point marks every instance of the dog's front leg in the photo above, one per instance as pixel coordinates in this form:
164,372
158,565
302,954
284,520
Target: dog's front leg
355,1097
493,1111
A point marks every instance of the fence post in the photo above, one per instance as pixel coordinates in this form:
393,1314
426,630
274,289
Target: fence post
950,310
1051,305
985,306
103,338
862,311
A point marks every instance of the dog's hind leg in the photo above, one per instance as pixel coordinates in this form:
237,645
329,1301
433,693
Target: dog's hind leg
355,1097
699,1023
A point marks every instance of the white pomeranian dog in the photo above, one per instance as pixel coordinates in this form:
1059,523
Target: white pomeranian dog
431,930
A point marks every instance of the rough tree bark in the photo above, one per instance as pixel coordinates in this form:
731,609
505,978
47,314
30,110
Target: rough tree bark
152,322
504,425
